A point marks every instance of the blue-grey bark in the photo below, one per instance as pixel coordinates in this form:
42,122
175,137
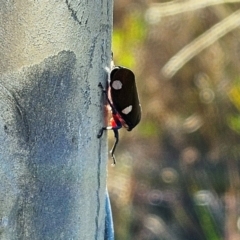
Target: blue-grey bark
109,227
52,166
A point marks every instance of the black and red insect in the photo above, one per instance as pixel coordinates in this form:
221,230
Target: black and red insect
123,99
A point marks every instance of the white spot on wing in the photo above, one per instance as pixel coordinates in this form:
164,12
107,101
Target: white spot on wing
117,85
127,110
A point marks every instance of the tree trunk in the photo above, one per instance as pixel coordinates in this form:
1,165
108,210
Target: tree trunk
52,166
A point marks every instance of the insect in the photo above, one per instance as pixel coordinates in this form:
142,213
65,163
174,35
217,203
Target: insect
123,99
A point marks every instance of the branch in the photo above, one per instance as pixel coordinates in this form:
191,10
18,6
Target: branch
158,10
203,41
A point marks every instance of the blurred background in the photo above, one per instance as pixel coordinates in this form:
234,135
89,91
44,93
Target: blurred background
177,173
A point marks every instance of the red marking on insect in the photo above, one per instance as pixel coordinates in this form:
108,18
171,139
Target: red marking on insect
123,99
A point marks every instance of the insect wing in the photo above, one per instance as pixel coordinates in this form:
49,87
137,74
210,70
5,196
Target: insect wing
124,96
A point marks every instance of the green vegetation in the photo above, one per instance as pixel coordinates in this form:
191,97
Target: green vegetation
183,160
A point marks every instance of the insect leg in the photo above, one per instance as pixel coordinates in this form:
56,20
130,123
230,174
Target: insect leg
115,127
109,102
116,135
100,133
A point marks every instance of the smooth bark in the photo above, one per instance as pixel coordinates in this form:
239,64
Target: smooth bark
52,166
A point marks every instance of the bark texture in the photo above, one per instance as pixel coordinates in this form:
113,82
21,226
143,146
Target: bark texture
52,166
